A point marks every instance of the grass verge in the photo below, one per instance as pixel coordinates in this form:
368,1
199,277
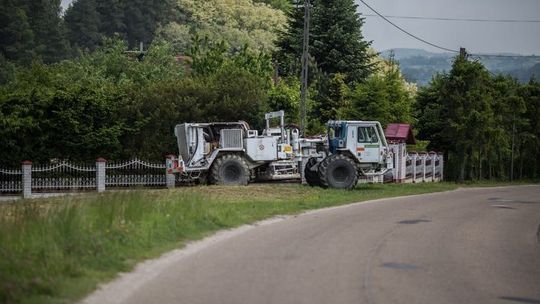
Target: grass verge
58,250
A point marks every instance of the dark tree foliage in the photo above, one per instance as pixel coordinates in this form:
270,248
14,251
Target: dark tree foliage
339,54
112,17
338,43
107,104
83,23
290,42
135,21
528,139
16,35
32,28
484,124
49,29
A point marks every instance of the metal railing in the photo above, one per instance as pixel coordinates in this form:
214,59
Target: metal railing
135,173
10,181
64,176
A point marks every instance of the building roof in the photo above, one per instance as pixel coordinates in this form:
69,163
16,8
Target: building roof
400,133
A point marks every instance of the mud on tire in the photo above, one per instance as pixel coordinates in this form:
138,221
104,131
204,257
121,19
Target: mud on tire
338,171
229,169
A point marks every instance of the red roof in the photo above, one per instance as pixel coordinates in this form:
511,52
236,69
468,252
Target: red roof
400,133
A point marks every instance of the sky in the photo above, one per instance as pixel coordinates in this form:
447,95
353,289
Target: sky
476,37
65,3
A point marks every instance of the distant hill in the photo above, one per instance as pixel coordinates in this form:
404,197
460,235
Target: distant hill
401,53
524,75
420,65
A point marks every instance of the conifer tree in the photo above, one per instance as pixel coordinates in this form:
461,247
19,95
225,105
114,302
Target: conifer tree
83,23
135,20
49,30
16,36
32,28
338,44
112,16
142,17
289,45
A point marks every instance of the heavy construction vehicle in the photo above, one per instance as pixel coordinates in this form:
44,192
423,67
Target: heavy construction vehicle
352,149
233,154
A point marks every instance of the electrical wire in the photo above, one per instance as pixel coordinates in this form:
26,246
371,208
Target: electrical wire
454,19
406,32
438,46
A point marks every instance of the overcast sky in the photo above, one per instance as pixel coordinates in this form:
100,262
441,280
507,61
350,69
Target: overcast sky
477,37
485,37
65,3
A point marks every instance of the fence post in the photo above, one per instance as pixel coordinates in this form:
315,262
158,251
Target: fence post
27,178
433,157
395,156
101,165
441,166
424,158
170,178
413,163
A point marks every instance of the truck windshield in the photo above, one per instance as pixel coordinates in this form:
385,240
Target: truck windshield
367,135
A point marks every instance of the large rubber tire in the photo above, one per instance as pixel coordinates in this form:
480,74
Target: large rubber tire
230,169
312,177
339,172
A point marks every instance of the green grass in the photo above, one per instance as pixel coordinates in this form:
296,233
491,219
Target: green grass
58,250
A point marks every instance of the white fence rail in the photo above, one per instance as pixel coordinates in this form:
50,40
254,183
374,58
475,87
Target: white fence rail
414,167
99,176
422,167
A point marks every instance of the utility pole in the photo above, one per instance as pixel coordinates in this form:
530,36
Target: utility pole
463,52
305,67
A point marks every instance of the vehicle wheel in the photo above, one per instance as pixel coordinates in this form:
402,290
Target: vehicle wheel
230,169
338,171
312,177
203,179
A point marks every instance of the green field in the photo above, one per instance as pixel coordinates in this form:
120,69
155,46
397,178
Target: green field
58,250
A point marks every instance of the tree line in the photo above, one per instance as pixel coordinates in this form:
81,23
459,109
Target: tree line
69,90
486,124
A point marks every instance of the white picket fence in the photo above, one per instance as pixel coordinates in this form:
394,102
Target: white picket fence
64,176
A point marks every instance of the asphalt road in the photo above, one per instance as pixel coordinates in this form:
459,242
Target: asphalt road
464,246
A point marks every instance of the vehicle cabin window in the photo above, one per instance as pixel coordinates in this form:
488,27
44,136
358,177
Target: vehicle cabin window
367,135
334,132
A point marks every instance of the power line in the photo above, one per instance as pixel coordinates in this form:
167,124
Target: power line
454,19
406,32
435,45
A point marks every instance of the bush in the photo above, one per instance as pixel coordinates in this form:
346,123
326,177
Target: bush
116,106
